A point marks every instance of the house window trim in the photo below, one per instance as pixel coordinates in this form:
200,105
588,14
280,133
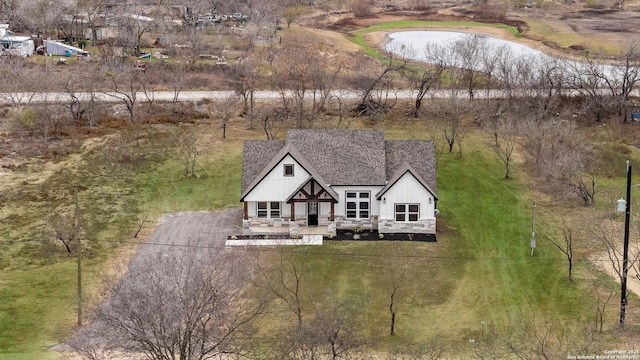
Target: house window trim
269,211
357,200
284,170
407,212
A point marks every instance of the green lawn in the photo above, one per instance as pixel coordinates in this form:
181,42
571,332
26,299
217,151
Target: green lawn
479,270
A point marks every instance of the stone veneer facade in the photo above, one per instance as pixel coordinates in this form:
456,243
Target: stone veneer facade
423,226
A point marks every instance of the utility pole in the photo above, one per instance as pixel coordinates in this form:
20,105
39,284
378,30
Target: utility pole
533,229
79,251
625,256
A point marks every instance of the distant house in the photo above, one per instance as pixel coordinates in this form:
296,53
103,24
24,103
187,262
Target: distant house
341,179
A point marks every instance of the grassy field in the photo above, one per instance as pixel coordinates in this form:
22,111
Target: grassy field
480,270
118,181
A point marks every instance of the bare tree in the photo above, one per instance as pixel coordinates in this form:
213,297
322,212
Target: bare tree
141,220
284,282
431,349
624,79
307,77
587,78
468,53
18,81
372,85
224,108
504,138
565,244
396,279
132,26
545,339
452,112
292,13
187,148
272,118
584,185
245,78
126,83
604,292
334,333
191,303
65,228
428,76
603,234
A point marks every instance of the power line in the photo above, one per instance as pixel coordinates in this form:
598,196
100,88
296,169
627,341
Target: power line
327,253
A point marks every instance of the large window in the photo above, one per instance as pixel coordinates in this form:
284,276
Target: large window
407,212
358,204
268,210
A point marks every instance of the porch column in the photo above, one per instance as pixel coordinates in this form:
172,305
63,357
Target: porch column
293,211
246,211
331,216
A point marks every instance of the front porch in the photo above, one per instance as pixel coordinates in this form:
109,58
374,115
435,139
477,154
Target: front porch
286,226
280,230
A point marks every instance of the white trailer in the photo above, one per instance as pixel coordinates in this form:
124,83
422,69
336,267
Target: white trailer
15,45
58,48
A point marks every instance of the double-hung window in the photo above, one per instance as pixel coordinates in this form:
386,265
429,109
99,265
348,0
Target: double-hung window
407,212
268,209
358,204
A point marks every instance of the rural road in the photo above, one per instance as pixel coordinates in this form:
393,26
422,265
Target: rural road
191,96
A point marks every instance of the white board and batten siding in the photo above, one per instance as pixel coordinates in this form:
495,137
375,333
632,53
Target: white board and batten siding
407,190
340,207
276,186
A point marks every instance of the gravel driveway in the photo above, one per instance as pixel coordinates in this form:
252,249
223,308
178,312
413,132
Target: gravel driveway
206,228
181,230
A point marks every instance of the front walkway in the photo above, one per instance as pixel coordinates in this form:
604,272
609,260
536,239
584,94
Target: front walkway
302,230
305,240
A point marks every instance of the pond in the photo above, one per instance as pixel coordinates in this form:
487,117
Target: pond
411,44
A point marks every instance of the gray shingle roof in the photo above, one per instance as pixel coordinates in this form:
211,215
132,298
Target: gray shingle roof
417,153
256,154
342,157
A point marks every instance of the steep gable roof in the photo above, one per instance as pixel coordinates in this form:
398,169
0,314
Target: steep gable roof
256,154
287,149
406,168
342,157
419,154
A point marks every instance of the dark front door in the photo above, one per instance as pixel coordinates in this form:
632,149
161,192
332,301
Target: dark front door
312,213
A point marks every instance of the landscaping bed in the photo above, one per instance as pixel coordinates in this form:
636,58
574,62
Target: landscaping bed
345,235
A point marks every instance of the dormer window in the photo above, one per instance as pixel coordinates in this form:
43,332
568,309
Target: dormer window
288,169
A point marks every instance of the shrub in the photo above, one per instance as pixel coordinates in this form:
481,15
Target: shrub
361,8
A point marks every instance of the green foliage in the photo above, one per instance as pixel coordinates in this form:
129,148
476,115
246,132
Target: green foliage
27,120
